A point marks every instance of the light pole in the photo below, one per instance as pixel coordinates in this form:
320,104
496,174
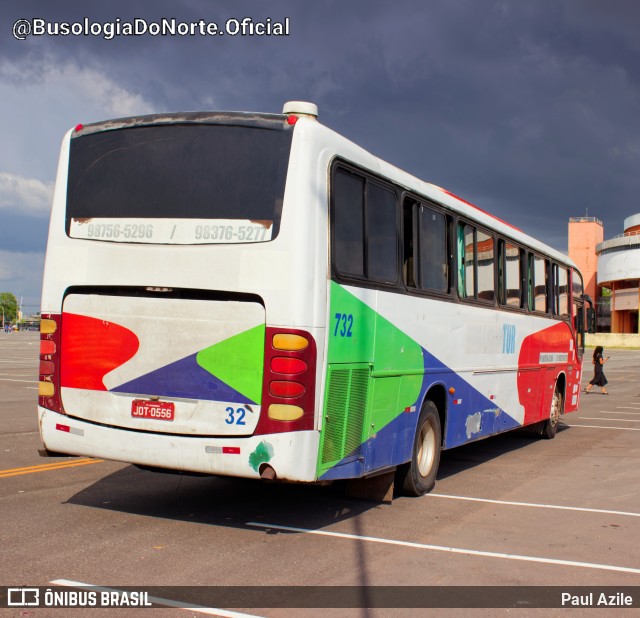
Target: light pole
18,303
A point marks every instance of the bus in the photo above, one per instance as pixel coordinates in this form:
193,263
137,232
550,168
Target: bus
254,295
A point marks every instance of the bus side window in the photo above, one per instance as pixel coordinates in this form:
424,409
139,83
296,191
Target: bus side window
348,223
563,292
553,289
502,279
409,242
523,279
531,282
466,249
365,231
512,276
485,258
434,257
382,235
540,293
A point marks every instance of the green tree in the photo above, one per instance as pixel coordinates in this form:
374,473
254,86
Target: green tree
8,306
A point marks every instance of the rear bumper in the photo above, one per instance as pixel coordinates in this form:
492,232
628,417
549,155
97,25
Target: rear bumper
292,455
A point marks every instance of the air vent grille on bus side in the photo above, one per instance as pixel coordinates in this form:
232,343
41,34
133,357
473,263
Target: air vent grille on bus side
336,410
345,413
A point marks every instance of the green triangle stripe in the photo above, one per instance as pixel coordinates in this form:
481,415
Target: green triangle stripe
238,361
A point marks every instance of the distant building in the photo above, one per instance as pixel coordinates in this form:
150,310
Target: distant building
585,233
619,270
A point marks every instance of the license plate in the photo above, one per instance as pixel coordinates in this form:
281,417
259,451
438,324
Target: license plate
158,410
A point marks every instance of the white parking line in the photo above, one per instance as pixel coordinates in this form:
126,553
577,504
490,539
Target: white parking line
597,418
451,550
12,380
536,505
28,375
168,602
628,408
20,363
18,433
606,427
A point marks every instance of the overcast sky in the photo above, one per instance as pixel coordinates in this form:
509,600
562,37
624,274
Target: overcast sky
528,108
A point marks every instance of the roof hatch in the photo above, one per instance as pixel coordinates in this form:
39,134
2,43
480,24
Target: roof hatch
301,108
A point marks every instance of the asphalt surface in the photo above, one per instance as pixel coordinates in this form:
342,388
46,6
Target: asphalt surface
507,511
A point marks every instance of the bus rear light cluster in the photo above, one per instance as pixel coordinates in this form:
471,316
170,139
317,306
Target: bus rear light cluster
49,384
288,392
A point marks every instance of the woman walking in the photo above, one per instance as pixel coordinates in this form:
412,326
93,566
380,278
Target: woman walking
599,378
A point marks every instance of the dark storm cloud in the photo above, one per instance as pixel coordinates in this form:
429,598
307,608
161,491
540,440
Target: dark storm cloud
528,108
22,234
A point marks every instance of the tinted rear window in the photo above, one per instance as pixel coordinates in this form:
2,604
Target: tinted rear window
188,171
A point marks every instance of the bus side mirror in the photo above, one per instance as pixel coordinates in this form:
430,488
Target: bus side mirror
591,320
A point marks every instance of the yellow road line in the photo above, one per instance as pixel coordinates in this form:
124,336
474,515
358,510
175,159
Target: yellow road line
58,465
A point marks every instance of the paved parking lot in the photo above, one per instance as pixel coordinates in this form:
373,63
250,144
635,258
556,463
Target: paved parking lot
507,511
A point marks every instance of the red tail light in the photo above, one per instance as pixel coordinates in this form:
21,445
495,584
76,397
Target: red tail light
49,386
46,368
288,391
291,366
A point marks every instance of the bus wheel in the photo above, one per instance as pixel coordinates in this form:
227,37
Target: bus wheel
550,426
419,475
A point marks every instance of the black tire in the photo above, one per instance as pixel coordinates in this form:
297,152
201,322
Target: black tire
550,426
419,475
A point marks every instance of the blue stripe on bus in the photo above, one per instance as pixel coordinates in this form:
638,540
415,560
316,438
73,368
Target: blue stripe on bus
475,418
184,378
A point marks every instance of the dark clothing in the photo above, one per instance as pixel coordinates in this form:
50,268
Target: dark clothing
599,378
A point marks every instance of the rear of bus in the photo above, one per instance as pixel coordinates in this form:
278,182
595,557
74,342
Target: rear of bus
183,297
